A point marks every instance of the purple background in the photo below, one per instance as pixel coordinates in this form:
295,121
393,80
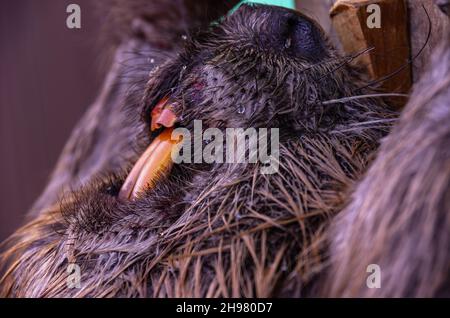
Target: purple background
49,75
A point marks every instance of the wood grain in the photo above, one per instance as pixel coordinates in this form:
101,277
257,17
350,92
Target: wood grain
390,42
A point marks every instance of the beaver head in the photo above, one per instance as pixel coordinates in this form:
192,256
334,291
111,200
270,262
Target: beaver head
260,67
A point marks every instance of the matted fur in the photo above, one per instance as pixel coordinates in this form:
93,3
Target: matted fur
208,230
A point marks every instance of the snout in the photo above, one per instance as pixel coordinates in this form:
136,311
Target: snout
285,30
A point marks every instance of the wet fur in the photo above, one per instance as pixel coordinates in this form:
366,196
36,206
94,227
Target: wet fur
206,230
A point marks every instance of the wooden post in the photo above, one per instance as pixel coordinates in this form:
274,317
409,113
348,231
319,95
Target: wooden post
383,25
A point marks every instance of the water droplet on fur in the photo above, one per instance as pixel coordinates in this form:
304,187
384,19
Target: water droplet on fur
241,110
152,61
184,37
288,43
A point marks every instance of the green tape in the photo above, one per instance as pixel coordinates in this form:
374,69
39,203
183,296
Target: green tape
281,3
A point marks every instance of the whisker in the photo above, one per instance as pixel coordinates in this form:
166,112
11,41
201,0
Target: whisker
361,129
370,122
347,60
347,99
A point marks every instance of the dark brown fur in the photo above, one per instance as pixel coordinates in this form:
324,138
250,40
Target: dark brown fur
206,230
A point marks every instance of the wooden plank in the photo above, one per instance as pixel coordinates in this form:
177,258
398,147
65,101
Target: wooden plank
390,41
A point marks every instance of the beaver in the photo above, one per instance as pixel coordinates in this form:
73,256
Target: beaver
204,229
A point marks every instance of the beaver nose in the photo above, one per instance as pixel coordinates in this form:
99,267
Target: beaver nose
290,31
299,35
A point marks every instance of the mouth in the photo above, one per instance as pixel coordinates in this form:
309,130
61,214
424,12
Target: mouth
156,161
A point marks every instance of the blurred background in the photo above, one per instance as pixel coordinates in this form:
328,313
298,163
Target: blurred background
49,75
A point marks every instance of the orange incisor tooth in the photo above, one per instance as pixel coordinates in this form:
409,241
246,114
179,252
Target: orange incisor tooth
154,163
